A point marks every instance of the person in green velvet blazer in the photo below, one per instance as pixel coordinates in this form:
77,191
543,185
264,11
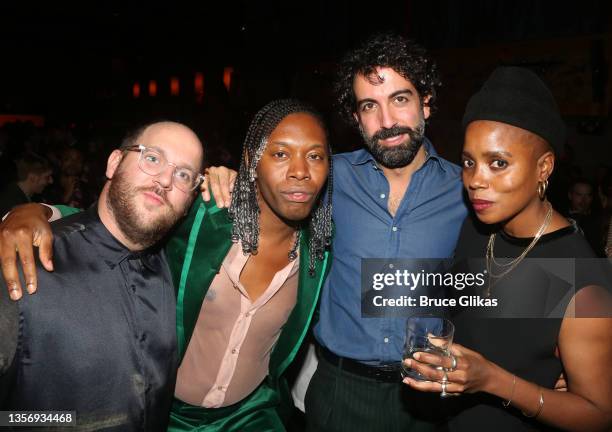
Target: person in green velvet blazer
200,244
195,253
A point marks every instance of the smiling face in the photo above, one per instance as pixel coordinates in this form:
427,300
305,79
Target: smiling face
502,166
293,168
391,116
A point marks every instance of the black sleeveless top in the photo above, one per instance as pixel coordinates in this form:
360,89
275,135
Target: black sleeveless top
525,346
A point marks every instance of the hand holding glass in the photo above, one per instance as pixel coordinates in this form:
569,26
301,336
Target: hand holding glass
430,334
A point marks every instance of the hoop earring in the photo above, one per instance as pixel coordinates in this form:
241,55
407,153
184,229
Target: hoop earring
542,186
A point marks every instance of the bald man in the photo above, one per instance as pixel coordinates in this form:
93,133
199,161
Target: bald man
100,339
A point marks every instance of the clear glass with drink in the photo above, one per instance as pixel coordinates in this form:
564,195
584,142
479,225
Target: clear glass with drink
427,333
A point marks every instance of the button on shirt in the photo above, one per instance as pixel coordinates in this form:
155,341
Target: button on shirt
99,337
229,352
426,225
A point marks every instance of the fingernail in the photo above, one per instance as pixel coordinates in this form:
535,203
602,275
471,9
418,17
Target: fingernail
30,288
14,294
417,356
408,362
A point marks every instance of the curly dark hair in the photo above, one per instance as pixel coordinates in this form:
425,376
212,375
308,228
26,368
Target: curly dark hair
404,56
244,208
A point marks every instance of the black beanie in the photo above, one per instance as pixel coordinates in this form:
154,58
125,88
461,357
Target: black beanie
517,96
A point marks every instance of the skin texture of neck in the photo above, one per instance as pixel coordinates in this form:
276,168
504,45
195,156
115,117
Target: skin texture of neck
273,228
527,223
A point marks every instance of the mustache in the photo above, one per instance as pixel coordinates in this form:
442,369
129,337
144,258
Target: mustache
386,133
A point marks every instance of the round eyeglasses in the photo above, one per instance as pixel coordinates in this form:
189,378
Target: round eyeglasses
153,163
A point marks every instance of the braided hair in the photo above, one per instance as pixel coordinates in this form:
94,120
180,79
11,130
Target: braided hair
244,209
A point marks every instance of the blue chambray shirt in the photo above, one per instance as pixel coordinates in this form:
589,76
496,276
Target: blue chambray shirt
426,225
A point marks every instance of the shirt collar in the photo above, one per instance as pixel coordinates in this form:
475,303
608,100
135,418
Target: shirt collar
363,156
111,250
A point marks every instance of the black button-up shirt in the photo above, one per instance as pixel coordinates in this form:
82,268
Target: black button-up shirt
99,336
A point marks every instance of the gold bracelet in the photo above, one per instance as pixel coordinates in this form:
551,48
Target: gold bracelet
507,403
539,407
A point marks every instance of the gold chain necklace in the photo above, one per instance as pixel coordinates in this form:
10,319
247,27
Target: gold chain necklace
490,256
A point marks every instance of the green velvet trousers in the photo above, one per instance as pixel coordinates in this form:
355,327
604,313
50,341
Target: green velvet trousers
255,413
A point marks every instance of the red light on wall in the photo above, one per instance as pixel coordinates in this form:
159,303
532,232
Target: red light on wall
38,121
175,86
136,90
152,88
198,84
227,77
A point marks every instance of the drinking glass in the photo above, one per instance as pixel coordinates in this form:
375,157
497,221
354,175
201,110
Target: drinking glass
427,333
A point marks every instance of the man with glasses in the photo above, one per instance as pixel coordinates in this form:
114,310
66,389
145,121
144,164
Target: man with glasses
100,338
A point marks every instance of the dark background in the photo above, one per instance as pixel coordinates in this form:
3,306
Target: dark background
75,64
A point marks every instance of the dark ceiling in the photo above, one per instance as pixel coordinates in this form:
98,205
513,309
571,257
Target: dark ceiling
55,52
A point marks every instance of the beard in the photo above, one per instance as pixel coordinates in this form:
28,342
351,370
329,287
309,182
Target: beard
401,154
132,220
